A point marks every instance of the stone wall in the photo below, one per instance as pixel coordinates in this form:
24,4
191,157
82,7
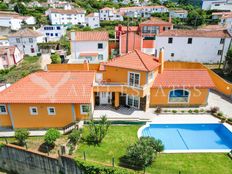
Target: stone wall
20,160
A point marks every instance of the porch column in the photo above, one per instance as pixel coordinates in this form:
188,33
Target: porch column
116,100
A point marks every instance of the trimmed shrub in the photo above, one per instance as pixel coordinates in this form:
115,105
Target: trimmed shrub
196,111
220,114
190,111
202,110
182,111
51,136
93,168
21,135
174,111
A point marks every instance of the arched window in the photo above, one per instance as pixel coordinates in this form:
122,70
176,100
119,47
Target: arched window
179,96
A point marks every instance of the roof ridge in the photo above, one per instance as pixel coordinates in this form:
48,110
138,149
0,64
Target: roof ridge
141,59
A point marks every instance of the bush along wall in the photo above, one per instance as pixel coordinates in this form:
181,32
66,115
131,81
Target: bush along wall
93,168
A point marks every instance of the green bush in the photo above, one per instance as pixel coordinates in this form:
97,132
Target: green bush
230,119
51,136
158,110
55,58
97,130
174,111
142,153
74,136
196,111
190,111
21,135
93,168
220,114
182,111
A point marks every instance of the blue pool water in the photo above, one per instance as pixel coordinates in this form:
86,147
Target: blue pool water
191,136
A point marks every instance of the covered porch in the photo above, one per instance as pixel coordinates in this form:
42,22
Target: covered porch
119,100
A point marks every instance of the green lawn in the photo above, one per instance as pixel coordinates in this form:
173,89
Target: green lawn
120,137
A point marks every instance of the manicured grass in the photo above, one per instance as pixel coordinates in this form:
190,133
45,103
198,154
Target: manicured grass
120,137
28,65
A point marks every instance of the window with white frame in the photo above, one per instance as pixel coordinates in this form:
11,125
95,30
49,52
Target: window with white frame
51,111
33,110
30,40
100,56
134,79
3,109
84,109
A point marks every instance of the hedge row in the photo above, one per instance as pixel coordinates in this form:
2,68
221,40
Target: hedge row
93,168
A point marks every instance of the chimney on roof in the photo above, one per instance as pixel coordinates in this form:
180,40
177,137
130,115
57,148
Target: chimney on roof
86,65
161,60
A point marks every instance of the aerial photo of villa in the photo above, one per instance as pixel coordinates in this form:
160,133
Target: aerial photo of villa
116,87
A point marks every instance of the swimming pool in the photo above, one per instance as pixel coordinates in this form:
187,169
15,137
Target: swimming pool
190,137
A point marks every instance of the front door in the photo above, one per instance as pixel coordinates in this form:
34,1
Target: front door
105,98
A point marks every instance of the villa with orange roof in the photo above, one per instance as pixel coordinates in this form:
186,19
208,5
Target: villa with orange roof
60,97
110,14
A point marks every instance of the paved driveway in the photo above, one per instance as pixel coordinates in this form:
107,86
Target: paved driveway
224,103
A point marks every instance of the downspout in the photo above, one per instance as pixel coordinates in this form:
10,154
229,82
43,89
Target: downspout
222,53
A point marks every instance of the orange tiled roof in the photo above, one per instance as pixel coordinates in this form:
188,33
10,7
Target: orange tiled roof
51,87
135,60
184,78
92,35
195,33
155,21
212,27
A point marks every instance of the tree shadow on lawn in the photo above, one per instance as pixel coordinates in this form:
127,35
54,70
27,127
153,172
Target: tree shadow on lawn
126,162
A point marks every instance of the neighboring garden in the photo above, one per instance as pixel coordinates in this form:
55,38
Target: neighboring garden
27,66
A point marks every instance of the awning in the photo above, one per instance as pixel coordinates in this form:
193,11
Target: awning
88,54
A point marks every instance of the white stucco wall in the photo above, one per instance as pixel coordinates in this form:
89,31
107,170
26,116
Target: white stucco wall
25,46
88,47
201,50
93,22
74,19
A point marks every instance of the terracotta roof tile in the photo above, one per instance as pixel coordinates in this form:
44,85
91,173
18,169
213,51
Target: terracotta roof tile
135,60
92,35
124,28
155,21
51,87
184,78
195,33
26,33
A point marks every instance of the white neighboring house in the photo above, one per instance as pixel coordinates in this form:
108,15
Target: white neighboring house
64,17
91,46
110,14
93,20
194,45
9,56
178,13
4,41
217,5
143,11
52,32
14,21
26,40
